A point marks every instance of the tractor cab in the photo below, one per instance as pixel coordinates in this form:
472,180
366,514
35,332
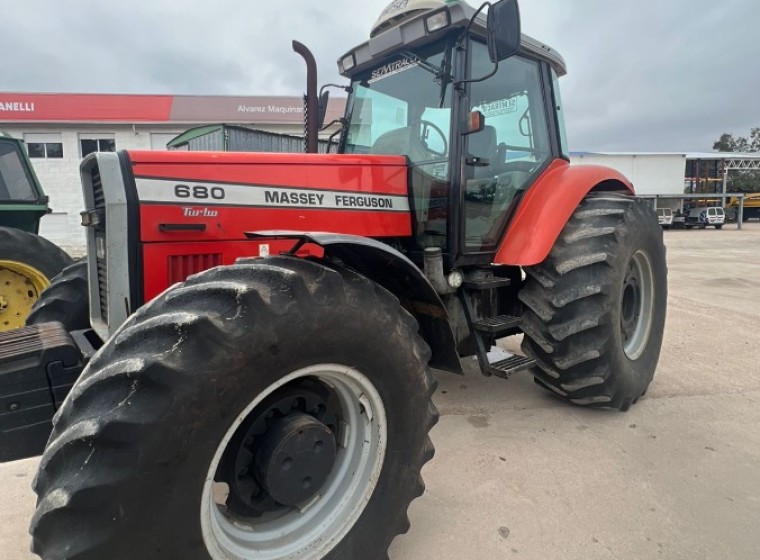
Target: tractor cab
477,118
22,202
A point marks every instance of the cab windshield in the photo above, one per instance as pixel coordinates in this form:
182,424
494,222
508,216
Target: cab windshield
403,107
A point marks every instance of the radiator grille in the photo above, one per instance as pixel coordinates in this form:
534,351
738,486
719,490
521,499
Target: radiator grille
97,190
182,266
102,283
99,203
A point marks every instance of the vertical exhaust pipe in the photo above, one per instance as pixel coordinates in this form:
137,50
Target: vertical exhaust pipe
311,111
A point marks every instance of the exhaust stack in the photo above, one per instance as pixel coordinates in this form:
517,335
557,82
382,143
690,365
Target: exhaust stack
311,110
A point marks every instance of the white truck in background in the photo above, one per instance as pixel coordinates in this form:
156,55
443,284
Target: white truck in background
703,217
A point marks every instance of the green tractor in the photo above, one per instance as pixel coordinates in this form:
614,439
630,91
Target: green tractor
28,262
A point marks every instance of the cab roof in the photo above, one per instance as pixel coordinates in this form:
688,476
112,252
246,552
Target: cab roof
403,25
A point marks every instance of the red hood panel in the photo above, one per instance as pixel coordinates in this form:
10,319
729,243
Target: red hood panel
211,196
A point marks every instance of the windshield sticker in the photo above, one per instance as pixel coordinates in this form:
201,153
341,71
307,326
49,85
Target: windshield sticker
392,68
498,107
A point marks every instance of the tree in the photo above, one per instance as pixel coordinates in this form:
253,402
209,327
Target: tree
740,144
741,181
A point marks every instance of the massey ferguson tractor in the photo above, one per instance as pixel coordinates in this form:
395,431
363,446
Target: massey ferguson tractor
252,372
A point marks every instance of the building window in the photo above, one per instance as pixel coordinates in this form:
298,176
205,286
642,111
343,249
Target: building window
100,142
44,146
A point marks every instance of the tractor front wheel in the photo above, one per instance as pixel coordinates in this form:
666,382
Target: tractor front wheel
27,264
275,409
595,308
66,300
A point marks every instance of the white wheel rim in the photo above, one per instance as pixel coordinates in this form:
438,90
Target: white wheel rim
310,533
640,269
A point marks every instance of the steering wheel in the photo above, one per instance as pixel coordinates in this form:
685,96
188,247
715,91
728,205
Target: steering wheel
425,131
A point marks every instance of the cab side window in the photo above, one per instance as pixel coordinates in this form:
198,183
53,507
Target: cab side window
502,158
14,181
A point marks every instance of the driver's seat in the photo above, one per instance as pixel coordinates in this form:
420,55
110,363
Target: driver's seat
401,141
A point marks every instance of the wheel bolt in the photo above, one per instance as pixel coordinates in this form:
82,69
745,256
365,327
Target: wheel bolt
306,484
287,464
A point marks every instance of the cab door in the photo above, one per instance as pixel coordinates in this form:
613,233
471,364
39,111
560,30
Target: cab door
518,141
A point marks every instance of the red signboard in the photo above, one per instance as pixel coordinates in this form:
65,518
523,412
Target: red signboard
60,107
46,107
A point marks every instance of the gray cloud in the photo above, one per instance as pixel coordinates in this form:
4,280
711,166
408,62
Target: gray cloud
646,75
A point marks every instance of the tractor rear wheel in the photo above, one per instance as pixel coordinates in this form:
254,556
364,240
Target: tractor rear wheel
66,300
273,409
595,308
27,264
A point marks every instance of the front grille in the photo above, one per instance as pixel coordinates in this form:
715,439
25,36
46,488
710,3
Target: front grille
99,204
102,282
97,190
182,266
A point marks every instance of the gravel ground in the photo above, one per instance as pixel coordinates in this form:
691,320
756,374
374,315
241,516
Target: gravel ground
519,474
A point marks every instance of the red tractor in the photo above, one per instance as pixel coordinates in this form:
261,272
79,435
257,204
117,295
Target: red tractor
257,358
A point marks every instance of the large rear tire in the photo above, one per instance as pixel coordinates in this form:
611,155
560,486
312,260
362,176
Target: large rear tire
180,438
66,300
28,262
595,308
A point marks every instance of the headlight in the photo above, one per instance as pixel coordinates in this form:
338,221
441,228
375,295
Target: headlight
455,279
437,21
347,63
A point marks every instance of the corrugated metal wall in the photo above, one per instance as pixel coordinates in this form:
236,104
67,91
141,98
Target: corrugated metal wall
240,140
211,142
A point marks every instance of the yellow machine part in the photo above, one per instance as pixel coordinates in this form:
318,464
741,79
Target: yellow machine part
20,287
750,201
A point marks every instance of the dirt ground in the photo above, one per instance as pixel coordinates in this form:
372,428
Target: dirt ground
519,474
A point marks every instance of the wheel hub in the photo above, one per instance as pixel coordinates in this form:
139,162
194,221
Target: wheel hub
631,306
295,458
283,454
20,287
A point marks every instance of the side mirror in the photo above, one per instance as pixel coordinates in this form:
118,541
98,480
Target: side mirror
323,100
504,30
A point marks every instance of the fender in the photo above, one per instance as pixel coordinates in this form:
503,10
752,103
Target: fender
394,272
548,205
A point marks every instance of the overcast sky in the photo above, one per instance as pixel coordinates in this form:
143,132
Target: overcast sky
644,75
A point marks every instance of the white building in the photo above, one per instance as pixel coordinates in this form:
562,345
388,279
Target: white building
650,173
60,129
